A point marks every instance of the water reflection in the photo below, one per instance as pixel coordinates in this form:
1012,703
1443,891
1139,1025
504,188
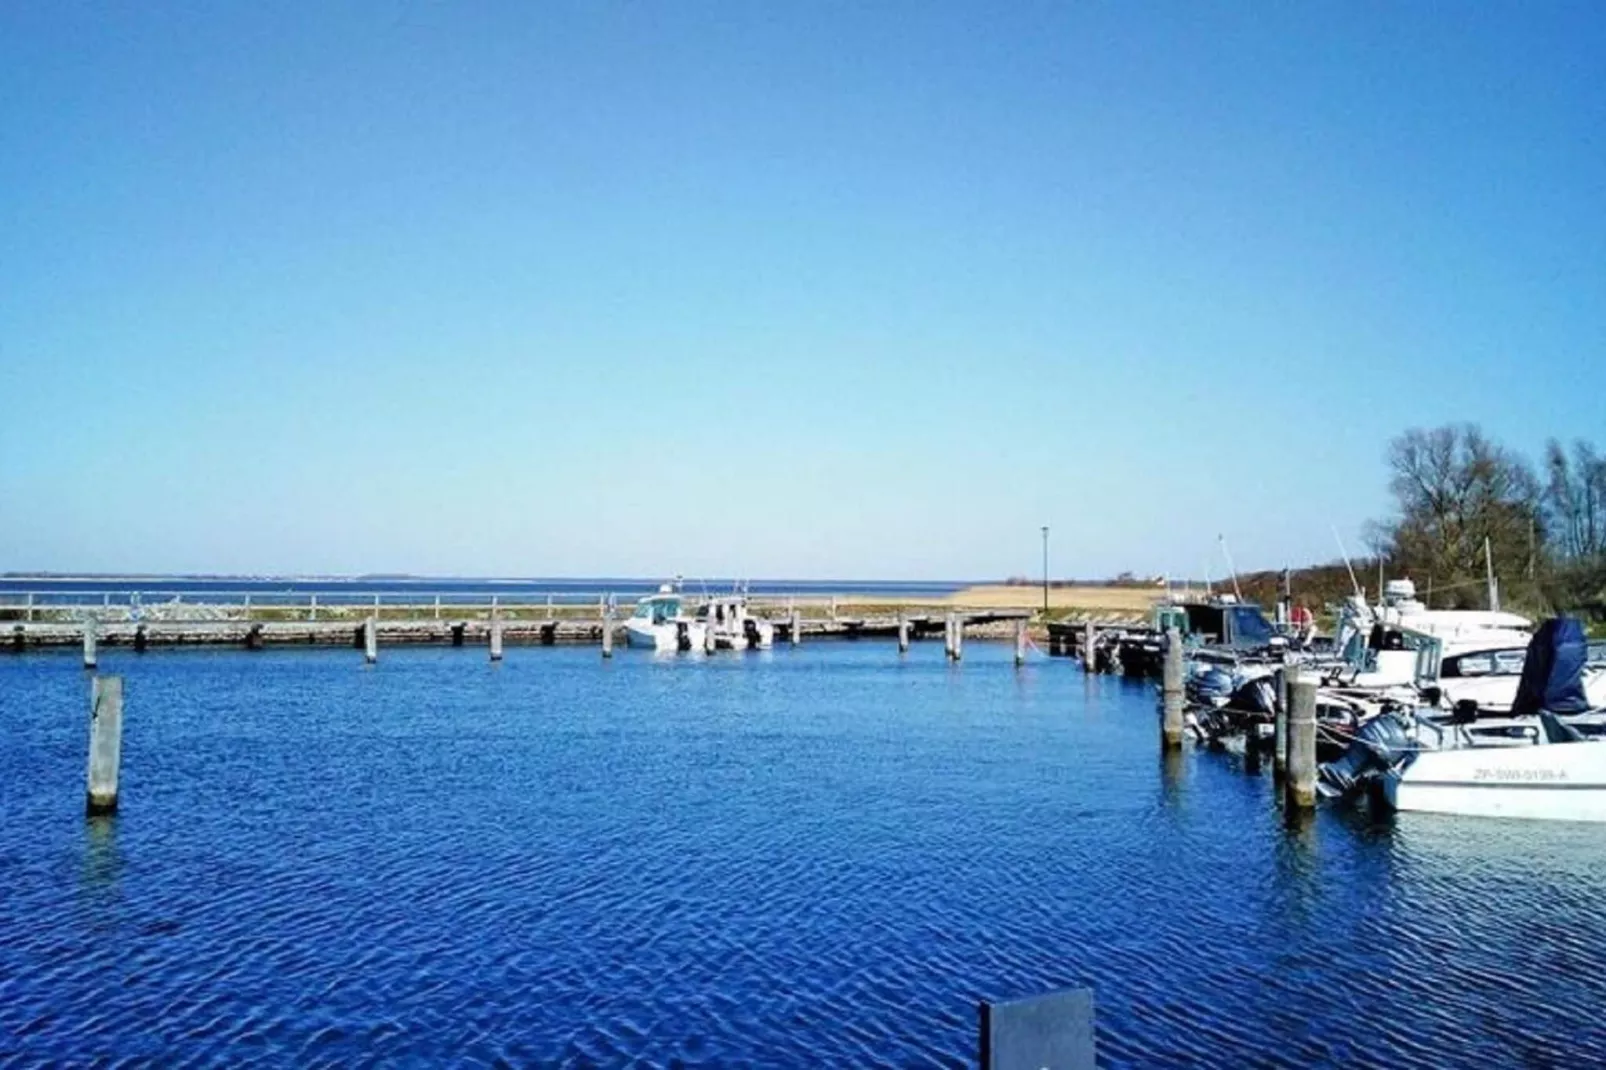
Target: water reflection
1173,775
102,864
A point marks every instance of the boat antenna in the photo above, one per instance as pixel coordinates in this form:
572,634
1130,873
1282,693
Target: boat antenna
1351,568
1231,568
1494,588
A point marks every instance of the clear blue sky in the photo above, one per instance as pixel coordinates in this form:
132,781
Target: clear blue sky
813,290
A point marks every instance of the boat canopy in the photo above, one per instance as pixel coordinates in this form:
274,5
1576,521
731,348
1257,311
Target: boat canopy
1553,674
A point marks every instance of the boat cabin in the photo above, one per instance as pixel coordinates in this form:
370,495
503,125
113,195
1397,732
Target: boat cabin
1494,652
658,609
1227,622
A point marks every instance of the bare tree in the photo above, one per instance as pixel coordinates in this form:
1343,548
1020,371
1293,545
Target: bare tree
1455,488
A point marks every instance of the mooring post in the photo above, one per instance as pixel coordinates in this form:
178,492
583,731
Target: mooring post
959,636
1089,644
437,607
1171,692
607,632
1279,740
247,610
710,641
903,633
91,633
794,627
105,743
1055,1030
948,635
1301,788
313,608
370,640
1020,642
496,635
30,606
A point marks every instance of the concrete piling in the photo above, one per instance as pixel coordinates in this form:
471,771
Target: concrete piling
370,640
959,636
437,607
245,608
903,633
30,606
105,743
794,628
496,636
312,608
91,636
1055,1029
607,633
948,635
1020,642
1171,690
1279,740
1300,794
1089,646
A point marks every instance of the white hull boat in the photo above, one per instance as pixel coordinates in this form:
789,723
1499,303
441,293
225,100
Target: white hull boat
1562,781
665,637
659,623
1534,762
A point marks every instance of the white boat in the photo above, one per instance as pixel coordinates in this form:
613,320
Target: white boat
661,623
1379,645
1547,772
732,626
1532,762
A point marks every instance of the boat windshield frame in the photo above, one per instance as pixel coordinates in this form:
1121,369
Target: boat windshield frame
658,608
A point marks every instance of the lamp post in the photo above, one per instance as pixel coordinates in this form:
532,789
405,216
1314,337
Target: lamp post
1045,570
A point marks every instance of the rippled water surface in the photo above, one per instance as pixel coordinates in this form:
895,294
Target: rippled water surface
822,856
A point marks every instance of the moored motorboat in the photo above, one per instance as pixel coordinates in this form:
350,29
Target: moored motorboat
661,623
1534,762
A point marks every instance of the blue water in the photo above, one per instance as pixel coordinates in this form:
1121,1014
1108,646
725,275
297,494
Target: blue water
816,857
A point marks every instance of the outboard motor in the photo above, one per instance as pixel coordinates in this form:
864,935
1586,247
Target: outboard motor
1379,745
1211,687
1257,696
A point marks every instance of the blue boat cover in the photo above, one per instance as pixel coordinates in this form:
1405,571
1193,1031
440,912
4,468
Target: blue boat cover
1553,672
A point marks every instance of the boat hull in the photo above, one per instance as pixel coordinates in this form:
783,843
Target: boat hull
662,637
1558,782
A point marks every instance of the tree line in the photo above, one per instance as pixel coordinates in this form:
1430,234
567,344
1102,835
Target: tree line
1463,502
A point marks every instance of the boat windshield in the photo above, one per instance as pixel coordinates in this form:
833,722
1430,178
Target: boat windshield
658,610
1250,626
1485,663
